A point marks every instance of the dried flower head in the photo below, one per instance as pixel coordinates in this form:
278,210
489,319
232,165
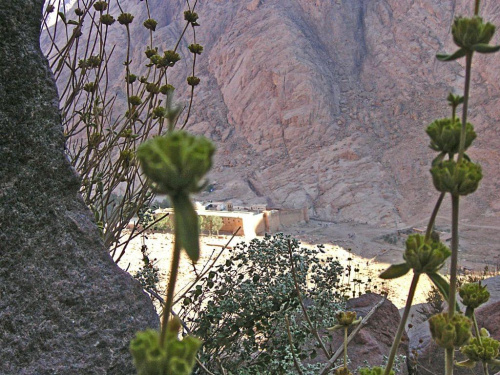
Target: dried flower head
150,52
196,48
107,19
135,100
150,24
159,112
425,257
100,6
469,32
131,78
177,356
456,178
167,89
177,162
125,18
169,59
152,88
193,81
90,87
450,333
484,351
445,135
473,295
191,17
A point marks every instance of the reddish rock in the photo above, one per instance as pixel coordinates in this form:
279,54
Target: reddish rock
293,85
489,318
374,340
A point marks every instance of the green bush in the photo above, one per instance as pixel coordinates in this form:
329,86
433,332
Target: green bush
239,308
211,224
164,225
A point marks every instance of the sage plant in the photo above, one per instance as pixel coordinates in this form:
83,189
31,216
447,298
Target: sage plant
454,173
175,164
345,319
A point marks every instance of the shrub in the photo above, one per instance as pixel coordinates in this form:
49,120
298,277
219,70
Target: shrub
240,307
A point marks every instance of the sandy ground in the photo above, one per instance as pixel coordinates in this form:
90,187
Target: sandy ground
358,246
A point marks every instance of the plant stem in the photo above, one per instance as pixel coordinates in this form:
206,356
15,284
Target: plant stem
448,357
476,9
402,324
304,309
174,268
468,67
455,202
478,336
345,347
453,274
476,328
454,254
485,368
295,362
433,217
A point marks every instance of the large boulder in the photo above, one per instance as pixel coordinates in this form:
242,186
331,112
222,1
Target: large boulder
493,284
373,342
65,307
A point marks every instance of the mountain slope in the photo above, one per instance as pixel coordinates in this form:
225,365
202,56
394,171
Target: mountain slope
324,103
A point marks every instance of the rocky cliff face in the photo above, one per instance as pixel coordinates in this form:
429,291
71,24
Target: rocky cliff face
324,103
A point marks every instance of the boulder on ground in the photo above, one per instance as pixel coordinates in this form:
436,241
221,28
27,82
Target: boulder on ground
373,342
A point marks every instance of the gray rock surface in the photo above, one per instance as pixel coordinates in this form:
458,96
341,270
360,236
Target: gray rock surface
65,307
493,284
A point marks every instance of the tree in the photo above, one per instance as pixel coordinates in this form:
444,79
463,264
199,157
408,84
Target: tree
65,306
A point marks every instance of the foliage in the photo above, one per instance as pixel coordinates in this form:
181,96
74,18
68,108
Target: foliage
250,310
175,164
211,224
450,332
457,176
239,308
148,274
164,203
373,371
166,224
174,357
434,304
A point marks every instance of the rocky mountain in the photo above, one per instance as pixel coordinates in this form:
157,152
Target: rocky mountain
323,103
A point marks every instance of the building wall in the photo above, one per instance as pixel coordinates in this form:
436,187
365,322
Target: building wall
257,224
230,224
275,220
290,217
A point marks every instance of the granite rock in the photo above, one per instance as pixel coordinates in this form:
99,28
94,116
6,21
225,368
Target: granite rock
65,307
374,340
